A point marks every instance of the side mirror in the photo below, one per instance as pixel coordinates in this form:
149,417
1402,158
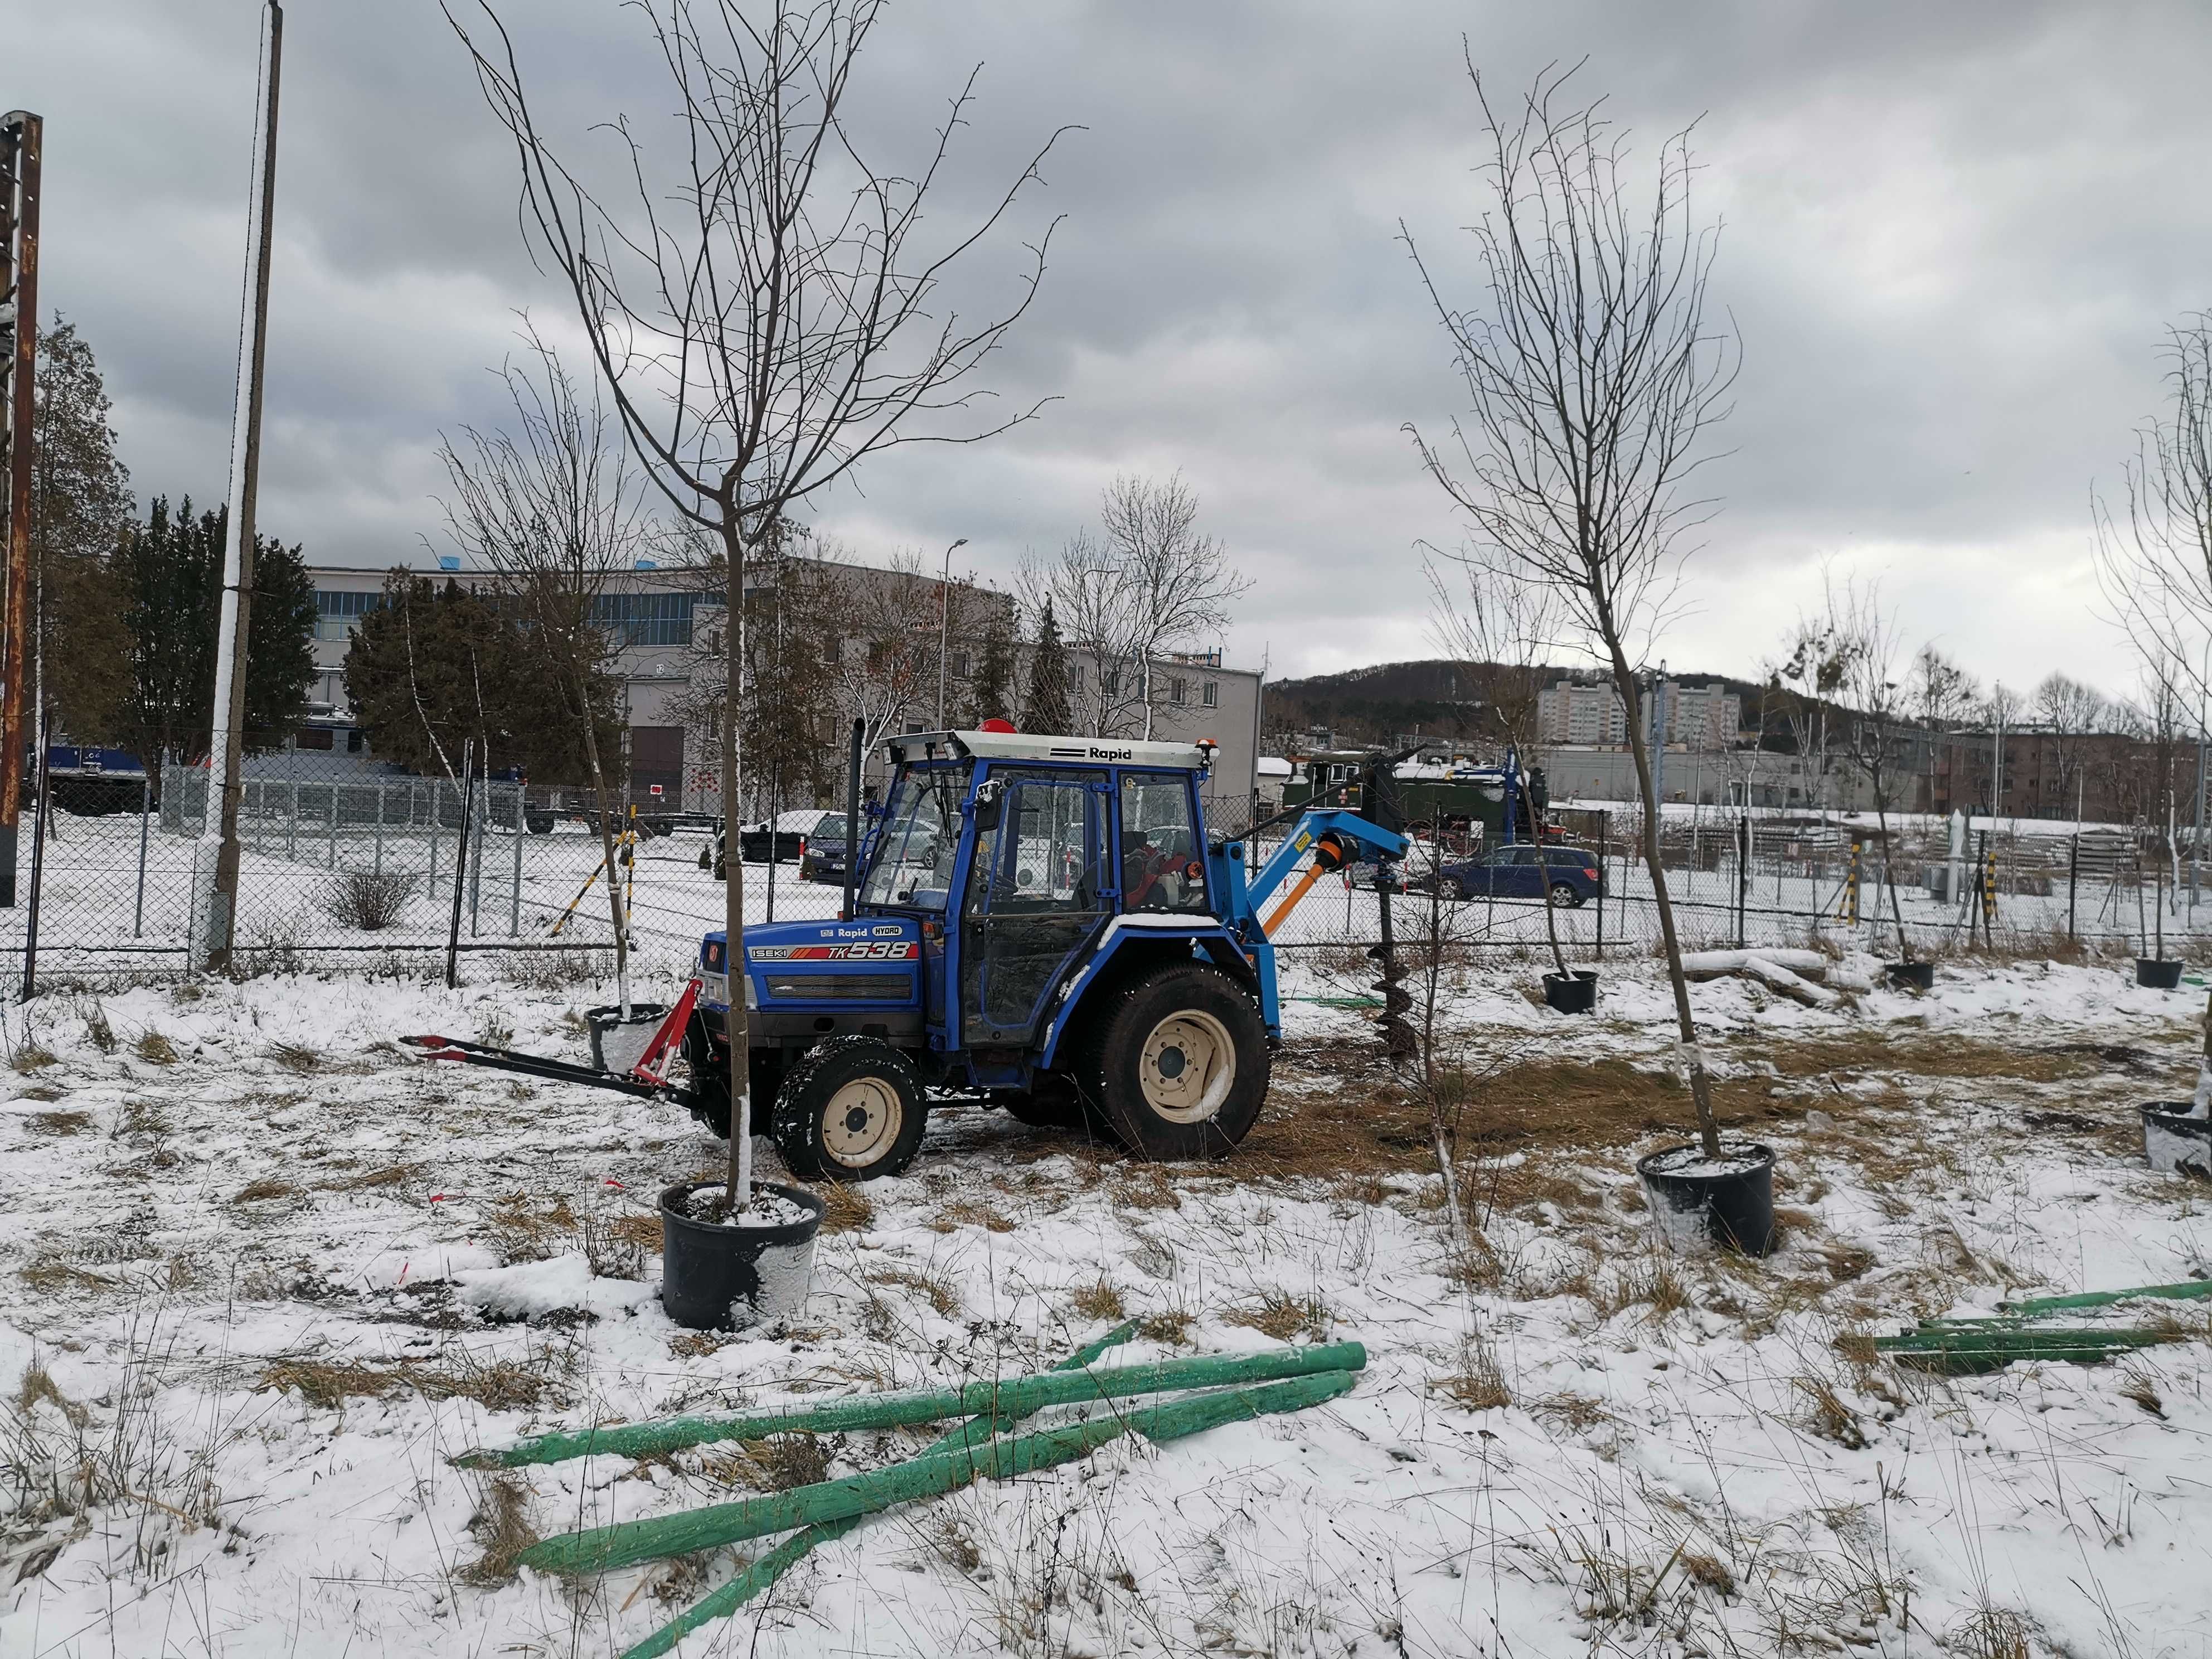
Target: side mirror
990,802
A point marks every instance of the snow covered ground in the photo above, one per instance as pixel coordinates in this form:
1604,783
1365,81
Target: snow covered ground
263,1274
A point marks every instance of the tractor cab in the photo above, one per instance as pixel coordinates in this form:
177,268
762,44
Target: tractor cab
1008,889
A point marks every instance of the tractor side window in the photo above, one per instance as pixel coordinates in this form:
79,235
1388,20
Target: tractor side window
1163,866
913,864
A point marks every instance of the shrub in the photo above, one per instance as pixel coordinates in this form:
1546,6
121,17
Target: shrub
365,901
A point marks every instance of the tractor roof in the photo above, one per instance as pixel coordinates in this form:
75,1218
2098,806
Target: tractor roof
1023,746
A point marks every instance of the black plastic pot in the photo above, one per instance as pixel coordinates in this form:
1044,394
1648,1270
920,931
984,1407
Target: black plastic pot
618,1043
1574,992
2157,975
722,1278
1913,975
2173,1141
1694,1209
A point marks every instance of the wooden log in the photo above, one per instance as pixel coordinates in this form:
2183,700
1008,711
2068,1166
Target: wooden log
1015,1396
621,1545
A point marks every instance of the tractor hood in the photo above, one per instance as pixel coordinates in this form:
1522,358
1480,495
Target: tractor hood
812,964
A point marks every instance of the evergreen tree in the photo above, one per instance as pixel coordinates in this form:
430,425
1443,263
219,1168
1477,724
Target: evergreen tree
991,689
80,504
169,572
433,668
1046,710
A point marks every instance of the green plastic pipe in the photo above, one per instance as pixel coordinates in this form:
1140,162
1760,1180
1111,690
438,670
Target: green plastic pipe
1015,1396
725,1600
1961,1353
598,1548
2188,1291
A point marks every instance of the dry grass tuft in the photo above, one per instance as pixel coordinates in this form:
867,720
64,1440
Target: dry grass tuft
1478,1384
39,1385
59,1123
1101,1300
392,1175
32,1057
295,1057
970,1212
1992,1632
786,1461
268,1187
1577,1413
50,1275
1827,1415
1708,1572
498,1385
615,1247
845,1209
154,1048
2138,1386
522,1231
1282,1315
328,1384
1170,1325
697,1345
933,1288
502,1526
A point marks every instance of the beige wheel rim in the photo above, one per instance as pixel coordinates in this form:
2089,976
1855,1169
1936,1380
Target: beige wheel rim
863,1120
1187,1066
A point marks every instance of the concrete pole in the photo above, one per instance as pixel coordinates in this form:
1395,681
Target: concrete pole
214,861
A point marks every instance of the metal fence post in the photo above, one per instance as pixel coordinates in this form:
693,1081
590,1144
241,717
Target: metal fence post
477,823
2073,877
291,824
514,885
432,884
1602,884
145,811
332,862
380,787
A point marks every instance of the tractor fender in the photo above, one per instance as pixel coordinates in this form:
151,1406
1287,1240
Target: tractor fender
1129,939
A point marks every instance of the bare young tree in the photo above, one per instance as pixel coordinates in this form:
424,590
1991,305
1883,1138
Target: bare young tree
1498,628
770,308
1148,585
2155,551
1868,643
1594,376
553,510
1809,674
2072,713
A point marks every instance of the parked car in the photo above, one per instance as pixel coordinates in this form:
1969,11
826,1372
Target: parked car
1568,876
822,859
792,833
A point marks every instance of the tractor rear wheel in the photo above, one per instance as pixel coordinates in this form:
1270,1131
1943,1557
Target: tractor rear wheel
851,1109
1177,1065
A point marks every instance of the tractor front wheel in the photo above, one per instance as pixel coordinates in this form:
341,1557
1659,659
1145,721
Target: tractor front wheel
1176,1066
851,1109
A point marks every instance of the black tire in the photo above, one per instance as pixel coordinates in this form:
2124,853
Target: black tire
1564,896
851,1109
1128,1081
710,1080
1455,890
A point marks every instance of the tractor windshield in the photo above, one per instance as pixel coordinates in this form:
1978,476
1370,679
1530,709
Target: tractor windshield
914,858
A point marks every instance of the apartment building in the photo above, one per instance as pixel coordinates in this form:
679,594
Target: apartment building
1702,719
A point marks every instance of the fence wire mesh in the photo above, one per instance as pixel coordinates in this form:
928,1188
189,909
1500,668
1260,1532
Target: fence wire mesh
338,874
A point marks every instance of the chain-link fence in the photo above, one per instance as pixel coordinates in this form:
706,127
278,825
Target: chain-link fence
360,872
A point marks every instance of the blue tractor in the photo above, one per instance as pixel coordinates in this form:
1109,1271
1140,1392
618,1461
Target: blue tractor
1038,921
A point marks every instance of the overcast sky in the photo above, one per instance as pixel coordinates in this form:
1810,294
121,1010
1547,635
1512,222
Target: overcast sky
1953,236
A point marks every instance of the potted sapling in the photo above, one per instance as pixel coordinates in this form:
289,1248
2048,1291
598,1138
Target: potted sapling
2177,1134
1593,372
2154,971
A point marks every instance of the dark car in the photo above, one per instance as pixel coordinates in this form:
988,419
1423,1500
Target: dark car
824,857
1566,875
794,832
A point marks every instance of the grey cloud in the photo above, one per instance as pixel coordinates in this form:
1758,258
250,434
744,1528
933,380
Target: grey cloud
1953,236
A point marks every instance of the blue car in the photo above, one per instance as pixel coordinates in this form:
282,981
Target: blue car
1568,876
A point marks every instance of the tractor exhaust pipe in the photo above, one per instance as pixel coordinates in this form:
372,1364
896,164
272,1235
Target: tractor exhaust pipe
853,819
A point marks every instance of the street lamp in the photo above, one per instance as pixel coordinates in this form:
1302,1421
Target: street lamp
944,621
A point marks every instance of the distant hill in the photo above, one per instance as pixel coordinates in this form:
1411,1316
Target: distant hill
1434,696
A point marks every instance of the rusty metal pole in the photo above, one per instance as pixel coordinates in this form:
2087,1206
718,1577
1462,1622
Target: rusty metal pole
22,139
214,861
